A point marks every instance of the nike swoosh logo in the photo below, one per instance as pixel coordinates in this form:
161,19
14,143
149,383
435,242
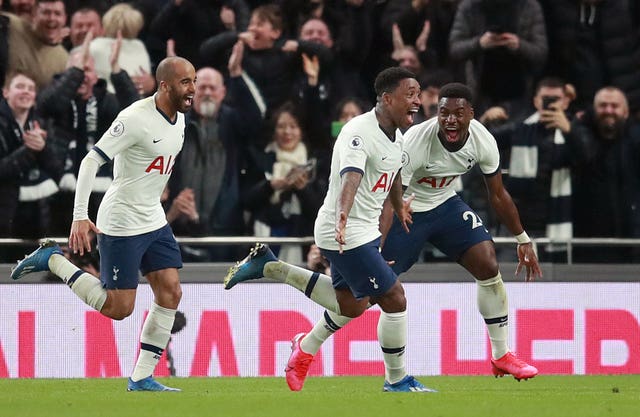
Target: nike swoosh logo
156,140
384,157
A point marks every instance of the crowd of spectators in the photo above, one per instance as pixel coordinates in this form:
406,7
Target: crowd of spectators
556,81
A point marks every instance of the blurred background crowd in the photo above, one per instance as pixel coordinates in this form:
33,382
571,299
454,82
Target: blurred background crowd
556,81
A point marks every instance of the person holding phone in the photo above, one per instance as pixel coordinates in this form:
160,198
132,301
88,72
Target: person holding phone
285,192
506,43
539,164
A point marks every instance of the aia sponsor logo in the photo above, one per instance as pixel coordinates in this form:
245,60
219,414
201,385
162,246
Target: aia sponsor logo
384,182
437,182
163,165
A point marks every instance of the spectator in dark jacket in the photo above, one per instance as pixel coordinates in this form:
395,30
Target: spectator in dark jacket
4,46
271,68
426,26
191,22
213,161
81,110
594,43
506,42
325,81
30,162
607,179
346,28
287,194
539,166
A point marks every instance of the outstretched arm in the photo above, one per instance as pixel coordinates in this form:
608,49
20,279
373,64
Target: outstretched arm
508,215
79,237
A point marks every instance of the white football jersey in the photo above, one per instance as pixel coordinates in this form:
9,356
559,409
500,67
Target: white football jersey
361,146
430,171
143,144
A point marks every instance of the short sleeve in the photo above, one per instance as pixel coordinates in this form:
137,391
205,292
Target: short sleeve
124,132
354,152
489,154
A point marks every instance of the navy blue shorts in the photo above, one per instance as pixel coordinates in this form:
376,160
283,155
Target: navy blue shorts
452,227
121,257
362,269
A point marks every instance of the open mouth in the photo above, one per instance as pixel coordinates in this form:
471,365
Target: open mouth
410,115
452,134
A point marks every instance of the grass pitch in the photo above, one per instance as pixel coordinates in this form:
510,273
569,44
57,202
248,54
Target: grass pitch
583,396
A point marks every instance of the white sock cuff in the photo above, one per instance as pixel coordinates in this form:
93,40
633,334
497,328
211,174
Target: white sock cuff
90,290
97,297
491,281
167,312
395,316
392,330
62,267
392,336
338,320
157,326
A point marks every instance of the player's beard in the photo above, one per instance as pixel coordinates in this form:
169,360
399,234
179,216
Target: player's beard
178,101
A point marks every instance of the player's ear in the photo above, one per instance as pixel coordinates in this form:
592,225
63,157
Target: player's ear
386,97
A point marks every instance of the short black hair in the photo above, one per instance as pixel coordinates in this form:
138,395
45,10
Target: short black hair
389,79
550,82
456,90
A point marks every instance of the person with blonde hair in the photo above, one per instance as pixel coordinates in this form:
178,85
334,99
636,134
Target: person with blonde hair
124,21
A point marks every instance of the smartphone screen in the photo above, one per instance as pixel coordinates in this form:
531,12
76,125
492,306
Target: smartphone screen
548,100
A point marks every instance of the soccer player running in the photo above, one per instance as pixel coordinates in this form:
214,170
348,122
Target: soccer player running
436,152
365,165
133,233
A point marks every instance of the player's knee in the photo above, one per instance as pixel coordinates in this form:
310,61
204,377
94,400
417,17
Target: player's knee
351,307
488,269
174,293
121,312
118,305
352,311
394,300
480,260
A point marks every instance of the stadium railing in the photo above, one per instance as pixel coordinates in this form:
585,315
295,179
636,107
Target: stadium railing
248,240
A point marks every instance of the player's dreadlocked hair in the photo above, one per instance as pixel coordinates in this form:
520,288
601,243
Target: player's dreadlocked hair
456,90
389,79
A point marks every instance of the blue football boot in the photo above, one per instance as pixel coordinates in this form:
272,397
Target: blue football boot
250,267
36,261
149,384
406,384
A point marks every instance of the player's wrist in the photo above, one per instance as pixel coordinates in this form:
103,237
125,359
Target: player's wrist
80,214
523,238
